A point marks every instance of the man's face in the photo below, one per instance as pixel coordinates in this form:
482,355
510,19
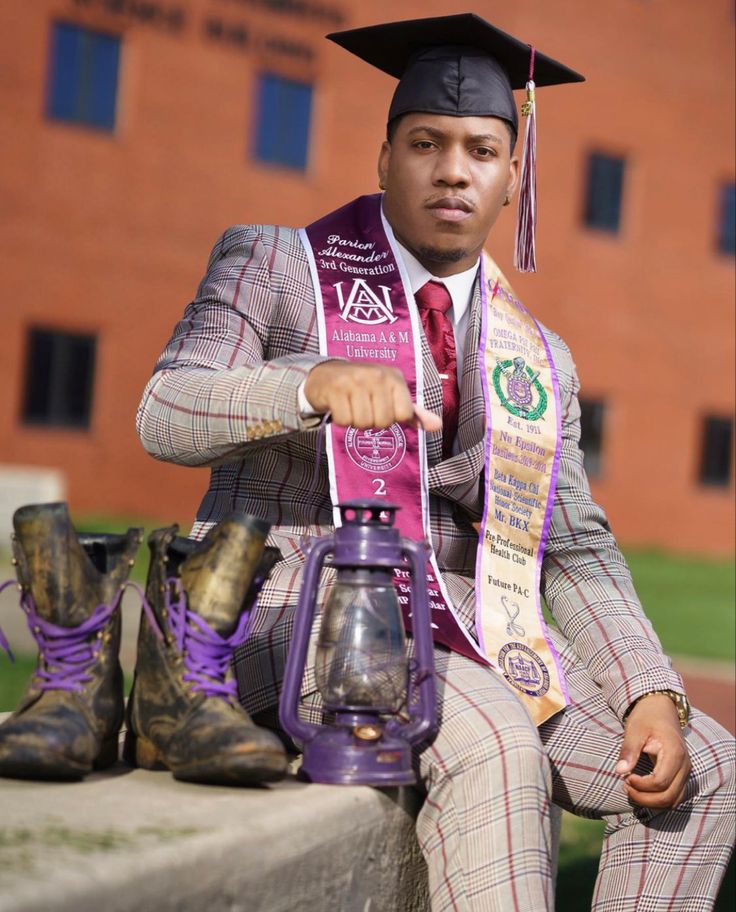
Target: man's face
446,179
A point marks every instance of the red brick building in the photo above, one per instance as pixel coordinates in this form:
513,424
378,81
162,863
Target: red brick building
134,131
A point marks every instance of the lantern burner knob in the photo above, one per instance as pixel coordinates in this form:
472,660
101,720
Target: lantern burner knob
368,512
368,732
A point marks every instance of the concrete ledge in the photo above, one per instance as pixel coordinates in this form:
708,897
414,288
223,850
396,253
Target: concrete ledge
133,841
129,840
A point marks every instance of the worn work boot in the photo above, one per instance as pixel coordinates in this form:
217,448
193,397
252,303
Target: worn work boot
183,713
71,586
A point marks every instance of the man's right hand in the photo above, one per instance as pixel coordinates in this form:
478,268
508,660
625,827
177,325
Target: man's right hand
365,396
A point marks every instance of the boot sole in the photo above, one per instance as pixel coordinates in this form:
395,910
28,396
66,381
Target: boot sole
240,769
57,767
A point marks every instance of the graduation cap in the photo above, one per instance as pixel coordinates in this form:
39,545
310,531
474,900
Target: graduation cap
463,66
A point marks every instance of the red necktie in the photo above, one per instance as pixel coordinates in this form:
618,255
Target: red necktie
434,300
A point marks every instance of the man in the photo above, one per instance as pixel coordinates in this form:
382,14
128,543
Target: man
290,328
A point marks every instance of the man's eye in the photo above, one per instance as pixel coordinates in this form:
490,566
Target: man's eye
485,152
423,144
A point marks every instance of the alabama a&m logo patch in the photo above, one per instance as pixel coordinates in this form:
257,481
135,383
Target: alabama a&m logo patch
364,305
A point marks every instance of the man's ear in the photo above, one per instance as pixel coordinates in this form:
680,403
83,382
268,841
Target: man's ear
384,160
514,171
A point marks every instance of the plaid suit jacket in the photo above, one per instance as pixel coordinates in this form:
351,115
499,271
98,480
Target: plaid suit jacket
224,395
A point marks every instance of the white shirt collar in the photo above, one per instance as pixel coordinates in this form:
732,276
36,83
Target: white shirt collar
459,285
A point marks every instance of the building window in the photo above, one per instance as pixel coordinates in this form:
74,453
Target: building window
83,76
591,435
59,378
727,223
717,449
282,128
604,191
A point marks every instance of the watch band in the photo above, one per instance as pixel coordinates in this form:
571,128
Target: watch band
681,702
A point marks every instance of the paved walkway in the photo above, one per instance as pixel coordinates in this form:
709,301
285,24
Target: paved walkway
711,686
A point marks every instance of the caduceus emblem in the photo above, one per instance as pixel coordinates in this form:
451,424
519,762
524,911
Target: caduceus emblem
512,612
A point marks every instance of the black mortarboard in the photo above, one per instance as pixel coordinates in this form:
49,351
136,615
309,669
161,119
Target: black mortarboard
463,66
459,65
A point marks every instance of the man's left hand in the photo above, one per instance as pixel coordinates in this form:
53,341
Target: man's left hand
653,728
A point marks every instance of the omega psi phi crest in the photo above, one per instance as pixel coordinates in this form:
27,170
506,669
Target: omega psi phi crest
363,305
525,396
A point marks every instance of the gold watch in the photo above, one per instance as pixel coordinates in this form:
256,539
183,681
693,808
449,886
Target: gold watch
682,705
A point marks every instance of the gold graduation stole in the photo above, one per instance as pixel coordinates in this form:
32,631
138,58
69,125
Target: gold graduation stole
523,439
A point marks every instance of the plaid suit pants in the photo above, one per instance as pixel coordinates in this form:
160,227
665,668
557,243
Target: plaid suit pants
490,777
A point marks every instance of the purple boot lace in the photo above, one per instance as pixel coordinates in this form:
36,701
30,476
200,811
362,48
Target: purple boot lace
66,653
206,654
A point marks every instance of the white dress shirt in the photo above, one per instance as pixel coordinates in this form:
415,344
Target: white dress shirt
460,287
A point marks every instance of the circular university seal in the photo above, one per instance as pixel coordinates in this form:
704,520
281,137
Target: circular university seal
523,668
376,451
525,396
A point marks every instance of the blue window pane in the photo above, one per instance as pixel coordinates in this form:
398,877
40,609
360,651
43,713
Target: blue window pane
103,89
604,192
727,228
65,55
282,128
83,76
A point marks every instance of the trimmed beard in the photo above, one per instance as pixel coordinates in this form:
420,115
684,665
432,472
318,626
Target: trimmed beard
435,255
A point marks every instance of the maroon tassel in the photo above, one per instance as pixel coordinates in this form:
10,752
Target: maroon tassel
525,254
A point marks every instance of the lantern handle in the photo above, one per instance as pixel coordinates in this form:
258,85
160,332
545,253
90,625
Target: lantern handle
422,724
297,655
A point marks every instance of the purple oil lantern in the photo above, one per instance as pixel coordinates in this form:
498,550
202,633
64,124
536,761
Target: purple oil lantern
363,672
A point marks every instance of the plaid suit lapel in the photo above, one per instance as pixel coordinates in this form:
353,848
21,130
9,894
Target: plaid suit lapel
471,420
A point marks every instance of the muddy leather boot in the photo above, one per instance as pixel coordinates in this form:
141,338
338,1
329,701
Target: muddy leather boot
183,713
71,585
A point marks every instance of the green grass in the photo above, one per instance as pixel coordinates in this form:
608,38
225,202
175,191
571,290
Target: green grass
689,600
13,679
